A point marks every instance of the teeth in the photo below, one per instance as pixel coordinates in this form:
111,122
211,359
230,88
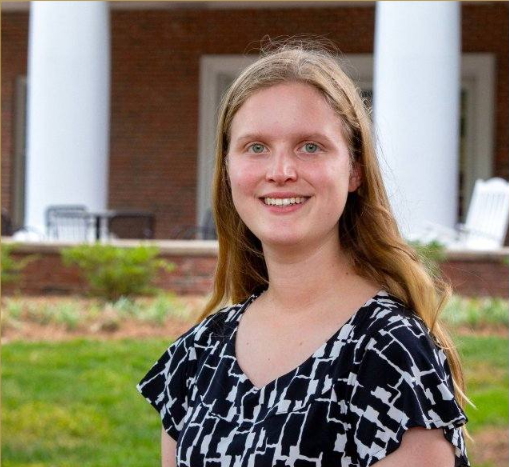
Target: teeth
283,201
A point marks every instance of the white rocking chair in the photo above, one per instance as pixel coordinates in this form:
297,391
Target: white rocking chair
486,223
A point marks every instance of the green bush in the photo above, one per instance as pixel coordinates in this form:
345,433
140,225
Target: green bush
164,306
431,254
113,272
12,268
477,312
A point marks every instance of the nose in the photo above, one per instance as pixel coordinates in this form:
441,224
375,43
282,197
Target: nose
282,168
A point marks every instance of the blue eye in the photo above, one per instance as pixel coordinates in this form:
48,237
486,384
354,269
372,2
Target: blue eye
311,147
257,148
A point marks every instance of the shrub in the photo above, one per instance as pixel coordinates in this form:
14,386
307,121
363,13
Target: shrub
67,314
156,311
431,254
12,268
477,312
113,272
163,307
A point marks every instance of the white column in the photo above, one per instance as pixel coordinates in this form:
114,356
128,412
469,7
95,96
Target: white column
416,108
68,107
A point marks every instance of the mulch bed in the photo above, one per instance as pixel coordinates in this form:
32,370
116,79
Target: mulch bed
104,326
128,329
101,328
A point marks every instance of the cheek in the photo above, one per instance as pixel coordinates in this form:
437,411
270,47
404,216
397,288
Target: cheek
336,185
334,178
238,184
243,179
243,186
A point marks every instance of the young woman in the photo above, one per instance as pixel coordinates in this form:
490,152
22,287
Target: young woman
331,354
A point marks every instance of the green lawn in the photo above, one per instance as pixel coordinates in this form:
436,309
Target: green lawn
486,361
74,403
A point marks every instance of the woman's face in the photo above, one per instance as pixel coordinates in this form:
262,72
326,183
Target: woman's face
289,167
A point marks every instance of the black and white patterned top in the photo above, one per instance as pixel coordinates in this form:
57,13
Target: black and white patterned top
349,404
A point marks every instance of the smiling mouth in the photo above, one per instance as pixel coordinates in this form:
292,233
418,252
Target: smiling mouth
284,201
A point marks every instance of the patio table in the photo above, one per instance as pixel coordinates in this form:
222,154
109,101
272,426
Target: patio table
100,223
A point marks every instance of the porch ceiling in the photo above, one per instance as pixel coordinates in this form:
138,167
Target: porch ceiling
206,5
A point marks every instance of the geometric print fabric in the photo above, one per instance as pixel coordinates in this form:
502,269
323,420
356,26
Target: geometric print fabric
348,404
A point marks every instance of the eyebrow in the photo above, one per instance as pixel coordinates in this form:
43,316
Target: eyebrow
249,136
299,136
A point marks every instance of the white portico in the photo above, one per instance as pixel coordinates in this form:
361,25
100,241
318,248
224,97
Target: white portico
416,89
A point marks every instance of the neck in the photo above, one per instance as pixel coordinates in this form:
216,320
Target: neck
300,279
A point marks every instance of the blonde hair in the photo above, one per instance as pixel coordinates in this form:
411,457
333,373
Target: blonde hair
368,231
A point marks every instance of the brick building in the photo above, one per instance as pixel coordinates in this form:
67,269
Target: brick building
170,62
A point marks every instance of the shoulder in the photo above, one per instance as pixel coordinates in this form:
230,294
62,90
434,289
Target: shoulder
180,359
400,379
388,318
214,327
397,352
387,310
396,336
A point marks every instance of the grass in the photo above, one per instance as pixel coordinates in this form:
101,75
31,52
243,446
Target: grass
486,363
74,403
486,366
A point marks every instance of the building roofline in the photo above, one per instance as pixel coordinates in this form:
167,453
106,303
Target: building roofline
15,6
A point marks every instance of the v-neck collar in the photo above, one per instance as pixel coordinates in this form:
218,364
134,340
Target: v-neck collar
321,352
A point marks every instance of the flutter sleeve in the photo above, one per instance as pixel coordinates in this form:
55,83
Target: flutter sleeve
166,385
403,380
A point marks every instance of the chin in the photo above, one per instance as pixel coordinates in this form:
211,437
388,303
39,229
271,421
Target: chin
302,240
282,240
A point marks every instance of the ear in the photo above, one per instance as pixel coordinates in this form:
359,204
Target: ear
355,177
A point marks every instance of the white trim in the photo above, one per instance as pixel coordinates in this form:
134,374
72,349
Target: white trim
478,78
210,248
211,66
360,68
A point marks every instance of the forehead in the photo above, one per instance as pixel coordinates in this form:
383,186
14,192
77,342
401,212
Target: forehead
285,107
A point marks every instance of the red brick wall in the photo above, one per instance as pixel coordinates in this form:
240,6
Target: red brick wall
46,275
14,63
155,88
478,277
154,128
194,275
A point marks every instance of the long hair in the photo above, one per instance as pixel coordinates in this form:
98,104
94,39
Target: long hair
368,231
